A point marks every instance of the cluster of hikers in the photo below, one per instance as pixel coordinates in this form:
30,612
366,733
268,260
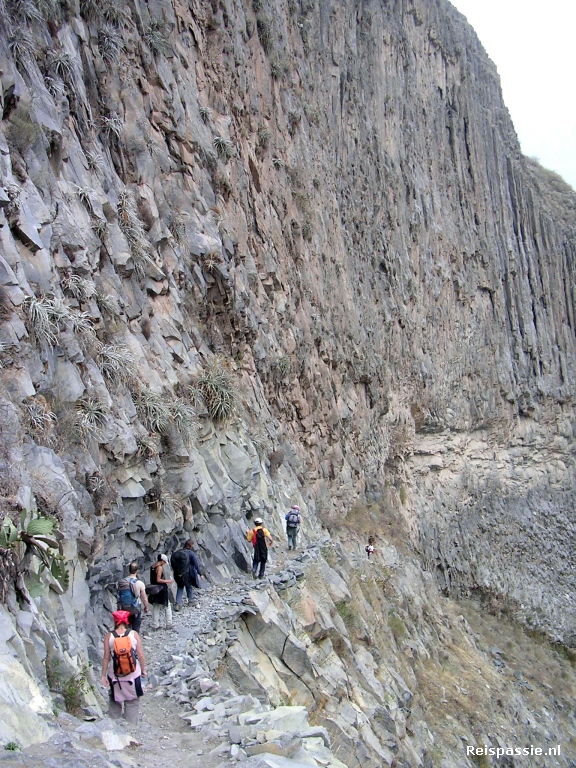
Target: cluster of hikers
123,645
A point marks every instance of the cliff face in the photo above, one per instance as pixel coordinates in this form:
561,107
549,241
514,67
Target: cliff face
324,207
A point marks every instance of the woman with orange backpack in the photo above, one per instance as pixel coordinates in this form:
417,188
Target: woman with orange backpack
123,647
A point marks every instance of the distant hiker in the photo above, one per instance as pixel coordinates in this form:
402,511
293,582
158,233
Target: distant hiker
187,573
369,548
158,592
124,649
260,539
132,597
293,521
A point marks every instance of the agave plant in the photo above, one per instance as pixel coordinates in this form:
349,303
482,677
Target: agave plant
90,417
117,363
39,537
216,387
133,229
223,147
184,419
153,411
43,316
79,287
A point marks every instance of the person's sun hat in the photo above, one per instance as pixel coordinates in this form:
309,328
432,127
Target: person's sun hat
258,521
164,558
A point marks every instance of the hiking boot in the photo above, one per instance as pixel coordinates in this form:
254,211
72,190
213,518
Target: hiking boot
170,626
176,607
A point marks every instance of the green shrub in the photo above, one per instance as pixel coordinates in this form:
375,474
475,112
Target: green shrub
264,136
265,34
307,230
396,626
21,132
346,613
403,495
38,535
73,690
11,746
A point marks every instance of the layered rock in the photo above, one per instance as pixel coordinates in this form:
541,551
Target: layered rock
331,201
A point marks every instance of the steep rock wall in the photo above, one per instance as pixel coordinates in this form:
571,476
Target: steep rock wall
332,198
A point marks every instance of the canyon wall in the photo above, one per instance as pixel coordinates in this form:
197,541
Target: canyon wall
322,209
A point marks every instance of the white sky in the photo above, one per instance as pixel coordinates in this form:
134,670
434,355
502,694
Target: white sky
532,43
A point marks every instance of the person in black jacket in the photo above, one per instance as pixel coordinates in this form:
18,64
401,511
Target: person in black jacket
187,573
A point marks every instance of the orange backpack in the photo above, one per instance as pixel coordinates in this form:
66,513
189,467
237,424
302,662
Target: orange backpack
123,655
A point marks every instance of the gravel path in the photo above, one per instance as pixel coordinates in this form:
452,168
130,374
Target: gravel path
182,666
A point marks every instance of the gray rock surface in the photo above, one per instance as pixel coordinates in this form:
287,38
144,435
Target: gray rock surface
326,205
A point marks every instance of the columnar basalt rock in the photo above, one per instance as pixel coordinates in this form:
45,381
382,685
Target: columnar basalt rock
324,206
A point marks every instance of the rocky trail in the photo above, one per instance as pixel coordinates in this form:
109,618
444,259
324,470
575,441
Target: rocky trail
186,712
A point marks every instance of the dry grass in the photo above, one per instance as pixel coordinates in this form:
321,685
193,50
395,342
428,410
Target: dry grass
381,520
467,689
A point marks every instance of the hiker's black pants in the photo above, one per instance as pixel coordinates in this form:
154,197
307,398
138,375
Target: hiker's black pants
255,562
136,621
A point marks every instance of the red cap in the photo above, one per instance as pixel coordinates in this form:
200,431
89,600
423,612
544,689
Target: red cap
121,617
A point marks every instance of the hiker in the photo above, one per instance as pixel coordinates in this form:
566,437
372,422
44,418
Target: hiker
293,521
132,597
124,649
159,593
369,548
187,573
260,539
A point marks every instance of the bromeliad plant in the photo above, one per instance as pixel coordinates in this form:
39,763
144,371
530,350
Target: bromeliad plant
39,537
216,388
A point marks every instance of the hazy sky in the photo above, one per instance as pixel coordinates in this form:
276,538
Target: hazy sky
532,43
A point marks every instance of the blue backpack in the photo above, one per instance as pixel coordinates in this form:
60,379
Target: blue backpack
127,598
